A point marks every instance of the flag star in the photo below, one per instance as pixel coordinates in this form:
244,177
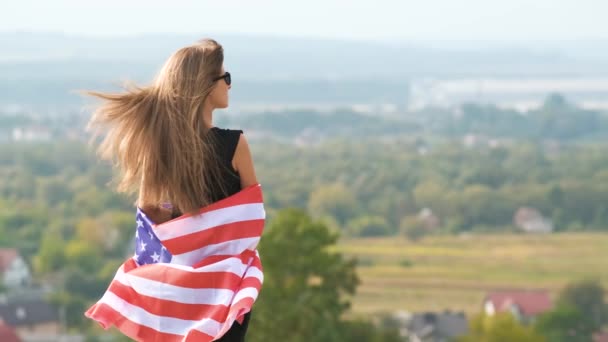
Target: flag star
140,223
143,246
151,236
155,257
137,233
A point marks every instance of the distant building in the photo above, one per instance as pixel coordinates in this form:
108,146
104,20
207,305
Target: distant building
308,137
601,336
429,220
523,305
33,320
14,272
520,94
436,327
33,133
531,220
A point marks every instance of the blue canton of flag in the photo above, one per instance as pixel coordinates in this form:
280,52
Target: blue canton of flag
148,249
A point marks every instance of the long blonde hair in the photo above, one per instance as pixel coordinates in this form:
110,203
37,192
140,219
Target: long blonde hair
156,135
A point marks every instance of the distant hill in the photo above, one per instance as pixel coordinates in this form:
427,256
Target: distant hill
42,68
24,55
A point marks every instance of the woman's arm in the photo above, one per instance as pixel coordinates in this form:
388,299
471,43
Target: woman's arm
243,163
155,213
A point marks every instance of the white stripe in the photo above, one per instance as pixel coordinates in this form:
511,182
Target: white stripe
196,223
248,292
169,325
231,247
164,291
254,272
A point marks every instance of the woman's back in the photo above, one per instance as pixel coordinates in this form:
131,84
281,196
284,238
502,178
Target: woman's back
224,142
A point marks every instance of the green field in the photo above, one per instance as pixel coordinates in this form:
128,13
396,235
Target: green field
455,272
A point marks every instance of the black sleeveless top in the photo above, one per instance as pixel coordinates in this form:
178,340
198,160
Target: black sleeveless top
224,143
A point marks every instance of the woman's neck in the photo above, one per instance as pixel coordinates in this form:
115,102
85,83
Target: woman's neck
208,116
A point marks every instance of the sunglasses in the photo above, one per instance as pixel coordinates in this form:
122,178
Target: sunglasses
226,77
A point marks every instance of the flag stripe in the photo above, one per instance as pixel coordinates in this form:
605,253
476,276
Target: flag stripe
216,235
192,224
193,284
151,288
233,247
193,280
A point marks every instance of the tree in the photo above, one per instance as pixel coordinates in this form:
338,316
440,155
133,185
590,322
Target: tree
587,297
412,228
563,324
359,330
336,200
369,226
51,256
580,312
499,328
303,296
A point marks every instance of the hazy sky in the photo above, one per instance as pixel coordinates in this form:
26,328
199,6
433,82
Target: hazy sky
373,19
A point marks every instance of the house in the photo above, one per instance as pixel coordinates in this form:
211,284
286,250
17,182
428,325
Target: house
32,320
308,137
524,305
14,271
33,133
531,220
601,336
8,334
436,327
428,219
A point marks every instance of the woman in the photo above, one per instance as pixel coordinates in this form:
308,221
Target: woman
163,140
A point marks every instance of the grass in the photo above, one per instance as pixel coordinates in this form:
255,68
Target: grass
455,272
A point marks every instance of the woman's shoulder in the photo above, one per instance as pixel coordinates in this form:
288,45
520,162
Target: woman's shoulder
227,136
226,131
227,139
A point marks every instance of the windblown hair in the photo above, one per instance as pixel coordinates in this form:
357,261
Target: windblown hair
155,135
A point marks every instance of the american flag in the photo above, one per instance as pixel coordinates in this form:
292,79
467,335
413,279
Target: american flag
190,278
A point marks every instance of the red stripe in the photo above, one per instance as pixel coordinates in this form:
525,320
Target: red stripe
217,234
243,304
198,336
251,282
257,262
129,265
238,311
217,258
251,194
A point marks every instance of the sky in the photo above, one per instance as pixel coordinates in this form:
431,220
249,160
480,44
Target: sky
504,20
